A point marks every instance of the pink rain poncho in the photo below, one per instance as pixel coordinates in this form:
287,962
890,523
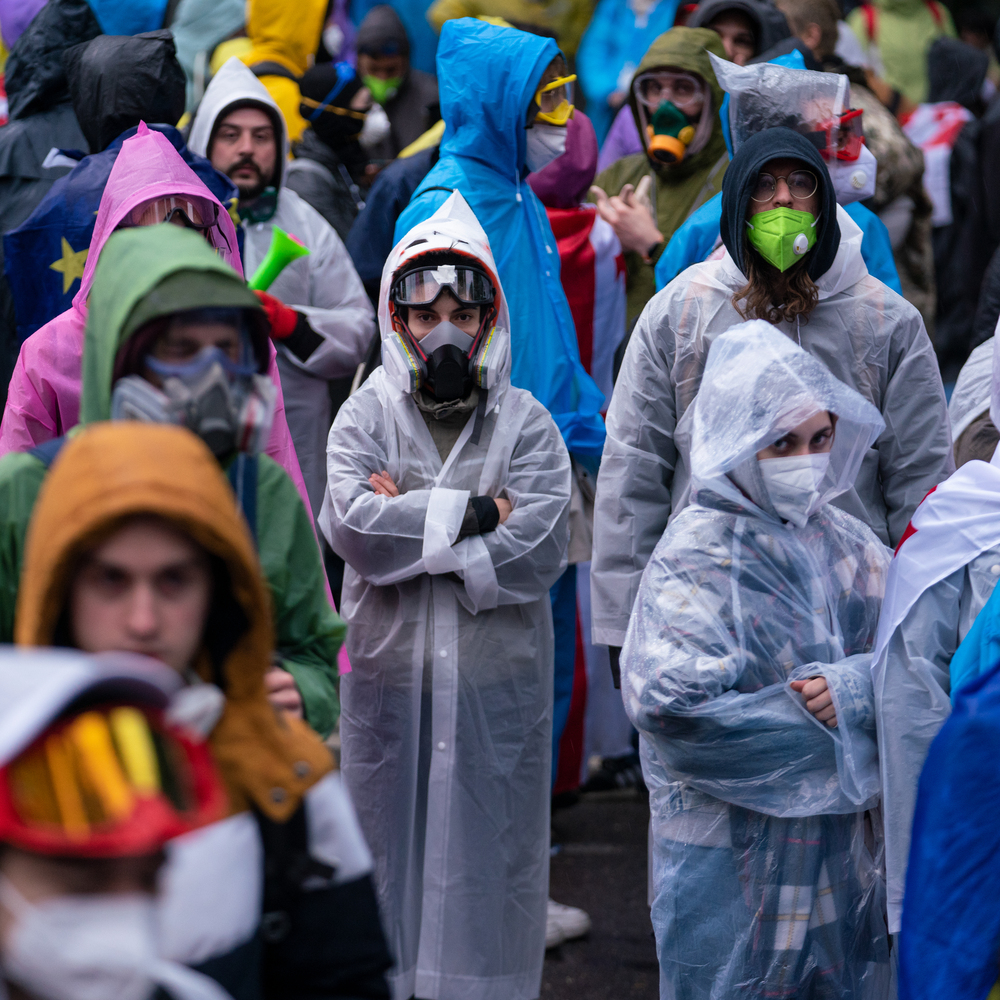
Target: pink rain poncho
43,401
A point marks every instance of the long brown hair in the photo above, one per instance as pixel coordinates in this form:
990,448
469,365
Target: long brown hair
775,295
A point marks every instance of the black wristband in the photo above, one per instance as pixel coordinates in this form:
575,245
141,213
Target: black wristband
488,513
893,104
303,340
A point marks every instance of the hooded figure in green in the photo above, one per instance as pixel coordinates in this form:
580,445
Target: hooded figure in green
145,275
661,103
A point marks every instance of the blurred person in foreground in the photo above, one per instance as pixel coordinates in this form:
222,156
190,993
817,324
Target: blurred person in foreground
137,545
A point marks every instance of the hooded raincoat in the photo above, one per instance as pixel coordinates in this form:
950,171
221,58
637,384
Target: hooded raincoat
43,400
943,574
681,188
213,889
483,157
309,632
198,27
323,286
285,37
868,336
763,883
447,712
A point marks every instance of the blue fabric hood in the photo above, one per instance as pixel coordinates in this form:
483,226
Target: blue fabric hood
486,109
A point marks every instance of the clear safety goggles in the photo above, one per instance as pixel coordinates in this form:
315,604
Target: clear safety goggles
553,100
681,89
112,779
842,137
192,213
469,285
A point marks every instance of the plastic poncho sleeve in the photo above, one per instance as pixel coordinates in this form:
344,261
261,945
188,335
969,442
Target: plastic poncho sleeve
876,247
683,665
391,540
309,632
21,478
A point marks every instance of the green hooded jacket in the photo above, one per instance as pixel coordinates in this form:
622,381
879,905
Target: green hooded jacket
145,273
682,187
903,32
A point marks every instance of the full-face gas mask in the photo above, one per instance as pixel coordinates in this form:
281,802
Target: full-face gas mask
445,354
227,404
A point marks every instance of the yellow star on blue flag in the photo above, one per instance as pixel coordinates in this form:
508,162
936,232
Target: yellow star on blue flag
71,264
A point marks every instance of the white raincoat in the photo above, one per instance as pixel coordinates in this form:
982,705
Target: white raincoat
322,286
446,720
869,337
763,883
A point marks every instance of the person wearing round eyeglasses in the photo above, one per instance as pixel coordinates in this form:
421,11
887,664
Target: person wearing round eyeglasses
793,258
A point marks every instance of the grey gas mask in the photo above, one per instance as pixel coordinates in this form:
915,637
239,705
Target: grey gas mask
228,405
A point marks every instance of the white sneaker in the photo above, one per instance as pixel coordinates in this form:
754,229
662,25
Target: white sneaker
564,923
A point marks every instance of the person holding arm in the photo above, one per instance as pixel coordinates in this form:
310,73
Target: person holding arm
746,670
448,499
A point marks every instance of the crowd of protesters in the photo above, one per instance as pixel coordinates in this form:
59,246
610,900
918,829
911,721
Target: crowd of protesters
419,415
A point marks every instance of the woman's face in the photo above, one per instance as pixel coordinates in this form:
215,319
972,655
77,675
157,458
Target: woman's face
812,437
792,179
444,309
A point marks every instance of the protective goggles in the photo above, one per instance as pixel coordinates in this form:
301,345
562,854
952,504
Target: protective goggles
192,213
801,184
842,137
112,781
681,89
420,287
553,101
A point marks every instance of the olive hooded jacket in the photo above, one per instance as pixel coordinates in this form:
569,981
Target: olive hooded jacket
134,275
682,187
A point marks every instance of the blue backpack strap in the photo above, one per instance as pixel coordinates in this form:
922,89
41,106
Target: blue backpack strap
243,477
46,453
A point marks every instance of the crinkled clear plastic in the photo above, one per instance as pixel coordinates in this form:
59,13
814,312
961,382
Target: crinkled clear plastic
973,392
766,95
766,837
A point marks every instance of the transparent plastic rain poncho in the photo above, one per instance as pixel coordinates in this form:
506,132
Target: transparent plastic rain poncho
766,866
766,96
446,720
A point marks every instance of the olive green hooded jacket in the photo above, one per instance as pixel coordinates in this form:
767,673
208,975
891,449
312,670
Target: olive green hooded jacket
145,273
682,187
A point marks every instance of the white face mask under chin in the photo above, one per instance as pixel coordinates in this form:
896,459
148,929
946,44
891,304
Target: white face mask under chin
793,484
375,129
92,947
545,144
854,180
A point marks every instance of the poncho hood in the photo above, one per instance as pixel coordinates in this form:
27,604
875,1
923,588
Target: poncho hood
118,81
149,167
236,84
34,74
737,186
116,470
133,280
486,111
687,49
564,183
770,25
974,389
452,228
285,33
955,72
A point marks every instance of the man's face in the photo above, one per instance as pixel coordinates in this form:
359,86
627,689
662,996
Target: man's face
245,149
736,31
146,589
382,67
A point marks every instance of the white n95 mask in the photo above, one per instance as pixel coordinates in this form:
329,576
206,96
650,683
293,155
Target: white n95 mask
545,144
793,484
854,180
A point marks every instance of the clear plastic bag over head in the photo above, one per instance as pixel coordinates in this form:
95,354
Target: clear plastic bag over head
768,96
758,385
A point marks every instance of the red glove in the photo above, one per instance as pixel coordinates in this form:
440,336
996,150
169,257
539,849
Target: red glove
283,319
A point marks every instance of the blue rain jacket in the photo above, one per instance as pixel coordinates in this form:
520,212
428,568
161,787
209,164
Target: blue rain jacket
132,18
696,238
482,155
951,921
613,41
413,14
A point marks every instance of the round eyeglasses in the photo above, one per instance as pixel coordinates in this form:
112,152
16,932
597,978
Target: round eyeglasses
802,184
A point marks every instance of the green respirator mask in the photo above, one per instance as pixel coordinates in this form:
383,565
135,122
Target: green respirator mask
382,90
782,235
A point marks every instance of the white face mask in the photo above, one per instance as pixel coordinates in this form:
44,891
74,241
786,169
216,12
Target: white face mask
854,180
375,129
333,38
793,484
92,947
545,144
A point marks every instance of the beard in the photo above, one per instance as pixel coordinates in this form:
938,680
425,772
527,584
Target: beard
249,189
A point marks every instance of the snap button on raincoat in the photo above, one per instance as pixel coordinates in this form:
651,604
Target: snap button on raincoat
446,720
